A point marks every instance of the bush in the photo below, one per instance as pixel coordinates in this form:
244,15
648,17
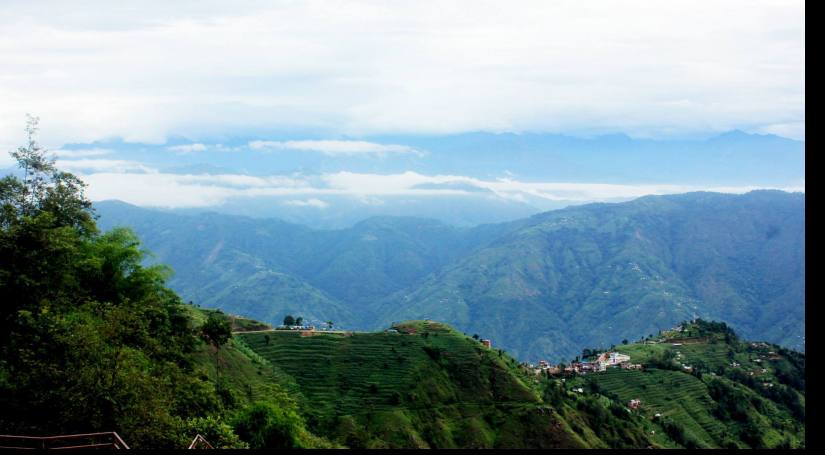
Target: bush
226,394
265,425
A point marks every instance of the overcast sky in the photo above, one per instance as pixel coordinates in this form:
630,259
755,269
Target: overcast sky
150,69
303,75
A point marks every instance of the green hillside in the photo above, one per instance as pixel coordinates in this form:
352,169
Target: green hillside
735,393
426,386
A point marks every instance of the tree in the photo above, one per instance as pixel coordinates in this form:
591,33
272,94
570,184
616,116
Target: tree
44,188
475,336
289,320
624,341
329,325
299,320
43,219
216,330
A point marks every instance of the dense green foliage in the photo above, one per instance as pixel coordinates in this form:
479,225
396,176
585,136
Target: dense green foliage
542,287
90,339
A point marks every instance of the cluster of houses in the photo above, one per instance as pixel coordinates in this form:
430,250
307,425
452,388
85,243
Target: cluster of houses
295,327
601,363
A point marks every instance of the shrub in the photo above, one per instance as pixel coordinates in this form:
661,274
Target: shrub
267,425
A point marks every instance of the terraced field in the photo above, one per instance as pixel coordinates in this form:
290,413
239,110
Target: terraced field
337,371
674,394
713,355
349,374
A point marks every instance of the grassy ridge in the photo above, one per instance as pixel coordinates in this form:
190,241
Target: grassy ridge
426,386
347,373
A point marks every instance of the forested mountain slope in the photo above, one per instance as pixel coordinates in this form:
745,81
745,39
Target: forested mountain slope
595,274
541,287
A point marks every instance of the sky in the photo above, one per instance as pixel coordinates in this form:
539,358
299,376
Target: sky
329,77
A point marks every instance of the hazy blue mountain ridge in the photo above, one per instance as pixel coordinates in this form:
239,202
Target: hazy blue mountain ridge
543,287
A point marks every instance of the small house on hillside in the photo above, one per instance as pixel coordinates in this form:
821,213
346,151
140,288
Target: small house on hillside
487,343
616,358
609,359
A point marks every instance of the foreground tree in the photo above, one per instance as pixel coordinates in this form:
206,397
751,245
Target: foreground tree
90,340
216,331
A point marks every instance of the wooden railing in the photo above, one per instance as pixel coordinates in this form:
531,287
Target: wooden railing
200,443
107,440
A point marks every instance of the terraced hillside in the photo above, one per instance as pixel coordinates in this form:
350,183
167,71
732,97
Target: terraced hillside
673,394
421,384
706,388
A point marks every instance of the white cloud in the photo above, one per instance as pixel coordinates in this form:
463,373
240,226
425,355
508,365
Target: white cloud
187,148
146,72
176,190
103,165
81,153
317,203
333,147
245,181
154,190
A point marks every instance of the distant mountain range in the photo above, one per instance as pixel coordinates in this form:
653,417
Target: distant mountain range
542,287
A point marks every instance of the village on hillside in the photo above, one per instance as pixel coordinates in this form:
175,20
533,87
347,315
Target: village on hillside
602,362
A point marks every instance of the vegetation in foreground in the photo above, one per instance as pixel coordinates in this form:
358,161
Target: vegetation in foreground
91,340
